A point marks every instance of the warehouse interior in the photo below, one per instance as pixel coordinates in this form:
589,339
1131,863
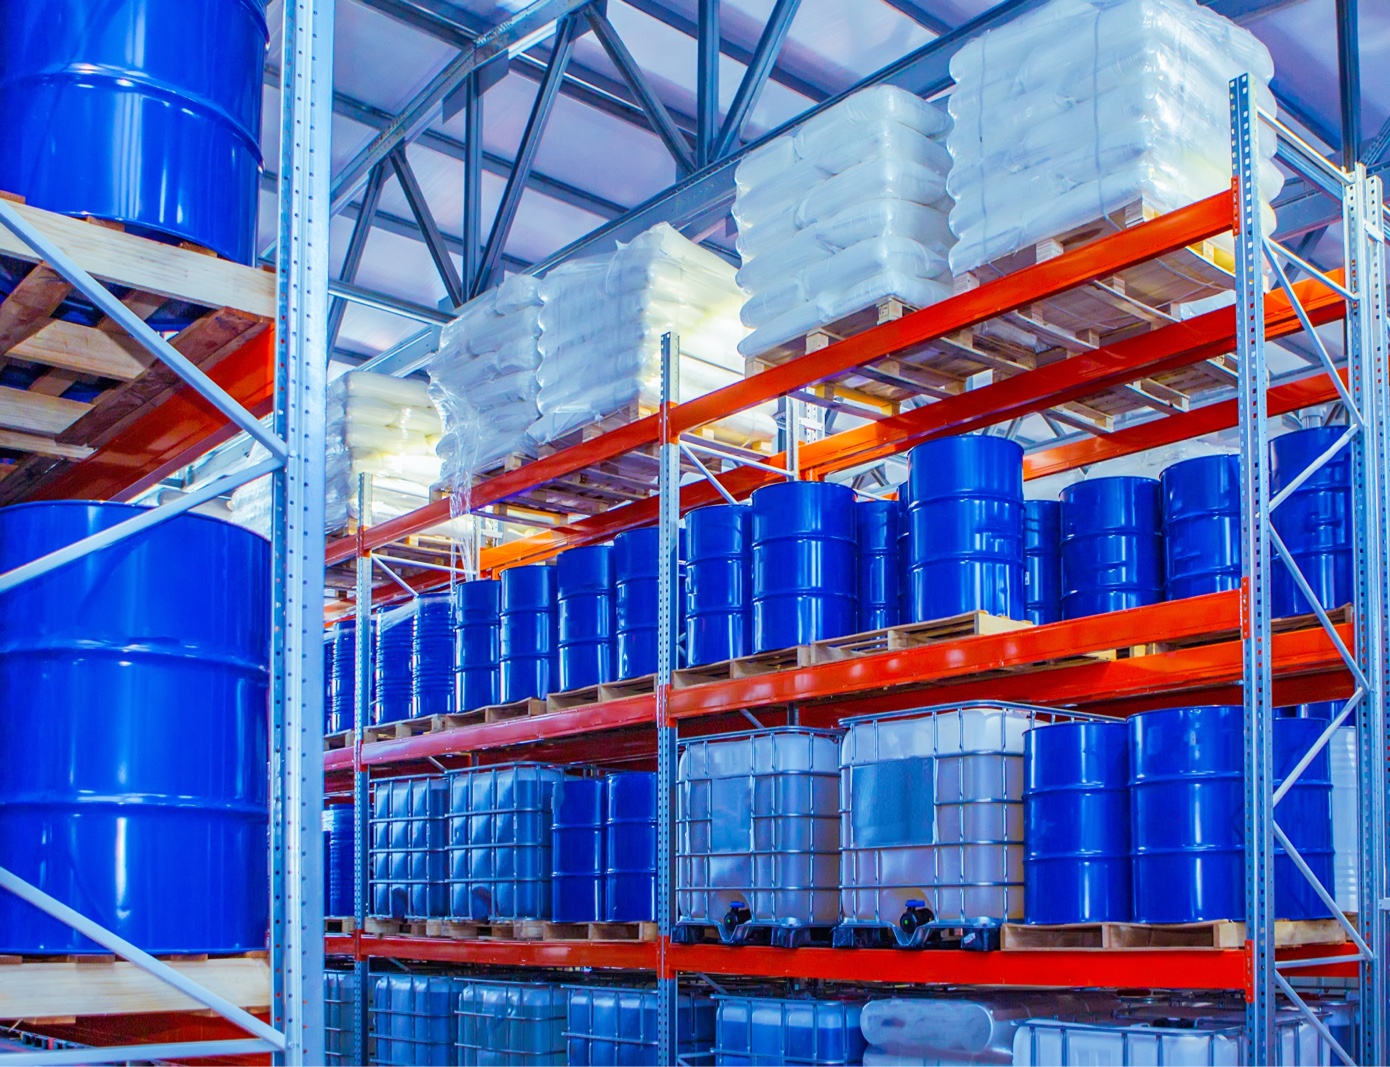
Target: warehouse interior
694,532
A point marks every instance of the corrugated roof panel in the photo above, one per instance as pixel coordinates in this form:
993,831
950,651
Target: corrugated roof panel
381,61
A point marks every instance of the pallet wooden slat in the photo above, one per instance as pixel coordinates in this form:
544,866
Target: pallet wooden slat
1225,934
39,414
84,349
43,988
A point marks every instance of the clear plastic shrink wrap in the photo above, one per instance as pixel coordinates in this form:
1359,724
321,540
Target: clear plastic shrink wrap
376,425
1081,107
483,379
601,324
849,210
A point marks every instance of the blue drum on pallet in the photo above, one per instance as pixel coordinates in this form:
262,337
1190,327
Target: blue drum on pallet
1187,814
965,523
476,643
1305,814
1076,823
584,603
1042,560
1315,522
1112,545
876,530
339,858
135,731
576,887
432,667
527,633
394,631
630,848
329,725
803,564
344,675
718,590
147,112
1201,526
637,596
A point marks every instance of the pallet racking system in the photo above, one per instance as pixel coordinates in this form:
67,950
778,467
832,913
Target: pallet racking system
1218,648
172,412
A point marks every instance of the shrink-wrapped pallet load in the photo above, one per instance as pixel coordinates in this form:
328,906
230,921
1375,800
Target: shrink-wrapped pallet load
601,325
376,425
846,212
1081,108
483,379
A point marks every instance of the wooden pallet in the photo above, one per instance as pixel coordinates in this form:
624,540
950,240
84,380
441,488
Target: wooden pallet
378,927
341,739
60,989
1104,311
850,646
1223,934
539,930
1287,624
601,693
43,432
344,926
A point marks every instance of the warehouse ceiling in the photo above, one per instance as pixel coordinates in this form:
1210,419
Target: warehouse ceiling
597,157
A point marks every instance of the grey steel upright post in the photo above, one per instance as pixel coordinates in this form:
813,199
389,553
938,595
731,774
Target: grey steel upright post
361,784
301,370
297,671
1254,520
669,490
1364,238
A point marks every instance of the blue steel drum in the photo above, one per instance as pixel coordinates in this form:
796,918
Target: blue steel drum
394,633
965,523
329,726
1314,522
1322,709
1305,814
718,590
584,604
630,848
577,835
1201,526
344,674
1112,545
637,595
803,564
876,530
904,558
1187,814
141,798
476,643
1042,560
147,112
339,859
432,657
1076,823
527,633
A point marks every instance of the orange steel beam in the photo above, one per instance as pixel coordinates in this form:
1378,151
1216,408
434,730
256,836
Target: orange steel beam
1106,256
1065,968
620,955
1291,396
174,434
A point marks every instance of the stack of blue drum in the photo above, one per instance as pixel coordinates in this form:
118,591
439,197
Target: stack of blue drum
528,633
432,657
605,849
584,603
395,645
1144,821
477,645
339,855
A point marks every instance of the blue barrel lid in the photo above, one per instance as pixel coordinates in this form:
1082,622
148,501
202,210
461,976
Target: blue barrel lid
1290,454
803,509
965,465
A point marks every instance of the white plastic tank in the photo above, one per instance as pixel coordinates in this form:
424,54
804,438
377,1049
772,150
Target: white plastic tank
1346,856
931,817
758,830
1184,1041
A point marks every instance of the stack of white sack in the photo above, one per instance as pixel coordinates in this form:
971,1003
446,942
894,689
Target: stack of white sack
385,427
376,425
483,379
1081,107
601,325
849,210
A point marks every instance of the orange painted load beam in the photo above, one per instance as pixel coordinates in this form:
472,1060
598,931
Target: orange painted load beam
1108,255
174,434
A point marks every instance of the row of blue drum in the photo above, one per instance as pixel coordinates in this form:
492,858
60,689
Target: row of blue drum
1144,820
448,1020
806,561
512,842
